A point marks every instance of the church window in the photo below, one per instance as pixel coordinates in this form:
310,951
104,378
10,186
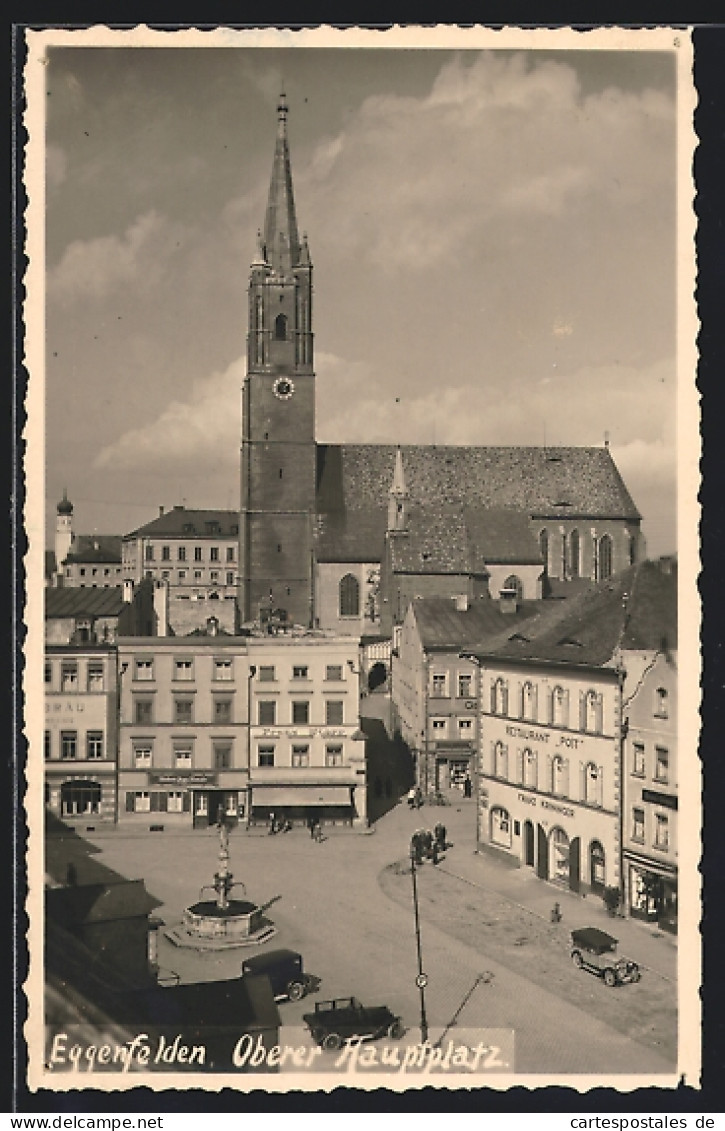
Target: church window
604,555
514,583
349,596
280,328
564,556
574,554
544,547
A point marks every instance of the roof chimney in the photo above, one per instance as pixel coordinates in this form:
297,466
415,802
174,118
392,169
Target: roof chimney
161,511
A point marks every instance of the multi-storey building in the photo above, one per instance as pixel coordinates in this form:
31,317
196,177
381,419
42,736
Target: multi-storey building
557,697
188,749
194,553
435,684
81,736
650,773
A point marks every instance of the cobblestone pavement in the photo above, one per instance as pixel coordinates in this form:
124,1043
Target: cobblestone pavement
327,900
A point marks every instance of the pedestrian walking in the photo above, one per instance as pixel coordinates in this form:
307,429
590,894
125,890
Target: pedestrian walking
311,827
467,787
411,797
441,835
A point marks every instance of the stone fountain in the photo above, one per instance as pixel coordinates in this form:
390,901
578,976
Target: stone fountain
222,920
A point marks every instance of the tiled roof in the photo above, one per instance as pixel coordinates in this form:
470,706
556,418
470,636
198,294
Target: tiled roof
105,601
173,522
436,541
636,609
502,537
96,548
354,535
99,903
442,626
551,482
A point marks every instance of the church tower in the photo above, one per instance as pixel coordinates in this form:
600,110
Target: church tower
278,454
63,530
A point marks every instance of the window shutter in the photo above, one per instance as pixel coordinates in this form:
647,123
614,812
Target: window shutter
505,698
155,802
565,777
549,774
493,697
186,801
582,781
600,785
582,711
519,766
130,802
552,706
535,701
163,802
600,714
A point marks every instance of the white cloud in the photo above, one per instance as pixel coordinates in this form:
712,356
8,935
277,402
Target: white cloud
56,165
410,181
95,268
205,430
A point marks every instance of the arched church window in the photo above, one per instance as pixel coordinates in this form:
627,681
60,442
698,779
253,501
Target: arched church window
514,582
574,568
280,328
349,596
605,557
544,547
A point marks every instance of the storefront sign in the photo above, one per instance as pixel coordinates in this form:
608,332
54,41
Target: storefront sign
564,810
528,733
184,777
67,706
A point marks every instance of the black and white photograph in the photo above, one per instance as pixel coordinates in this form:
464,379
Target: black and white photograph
362,474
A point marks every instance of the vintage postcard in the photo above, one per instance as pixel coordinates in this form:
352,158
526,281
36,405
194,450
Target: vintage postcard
362,467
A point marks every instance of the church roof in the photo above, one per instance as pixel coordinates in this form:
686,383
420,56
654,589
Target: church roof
190,523
356,535
436,541
543,482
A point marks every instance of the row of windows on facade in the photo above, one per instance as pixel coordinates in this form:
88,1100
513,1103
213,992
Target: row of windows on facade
661,762
223,670
524,770
176,801
570,547
661,838
93,571
215,553
441,727
70,747
559,845
222,712
223,755
591,706
77,677
230,578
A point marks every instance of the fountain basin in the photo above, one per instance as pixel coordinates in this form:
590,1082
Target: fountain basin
238,920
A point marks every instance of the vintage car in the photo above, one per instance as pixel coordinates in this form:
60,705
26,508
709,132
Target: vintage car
595,950
336,1021
285,973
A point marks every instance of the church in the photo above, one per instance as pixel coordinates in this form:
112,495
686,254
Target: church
343,536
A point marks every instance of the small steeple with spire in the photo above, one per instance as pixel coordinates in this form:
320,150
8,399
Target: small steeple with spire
398,497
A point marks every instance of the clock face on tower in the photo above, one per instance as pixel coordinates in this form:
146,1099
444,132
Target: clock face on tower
283,388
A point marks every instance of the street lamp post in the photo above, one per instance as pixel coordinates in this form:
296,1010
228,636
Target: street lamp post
250,676
422,980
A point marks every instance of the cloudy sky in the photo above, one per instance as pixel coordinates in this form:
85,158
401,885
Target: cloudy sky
493,239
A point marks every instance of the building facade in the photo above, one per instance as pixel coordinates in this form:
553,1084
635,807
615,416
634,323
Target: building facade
650,769
188,750
195,554
81,733
549,783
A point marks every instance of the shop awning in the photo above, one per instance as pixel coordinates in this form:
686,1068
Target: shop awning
277,796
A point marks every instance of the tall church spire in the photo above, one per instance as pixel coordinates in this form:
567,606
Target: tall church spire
281,240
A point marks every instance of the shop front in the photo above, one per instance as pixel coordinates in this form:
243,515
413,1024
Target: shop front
651,891
563,843
81,794
454,768
298,804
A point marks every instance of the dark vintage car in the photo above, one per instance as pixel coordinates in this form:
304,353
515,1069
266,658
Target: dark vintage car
336,1021
595,950
285,973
